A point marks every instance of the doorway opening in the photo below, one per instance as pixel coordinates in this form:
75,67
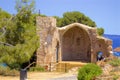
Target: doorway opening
76,45
57,51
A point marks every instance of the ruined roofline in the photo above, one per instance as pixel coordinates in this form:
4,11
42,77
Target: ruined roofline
101,37
44,17
67,26
108,41
76,24
82,26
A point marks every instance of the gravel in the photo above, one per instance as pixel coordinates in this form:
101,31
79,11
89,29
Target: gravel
74,77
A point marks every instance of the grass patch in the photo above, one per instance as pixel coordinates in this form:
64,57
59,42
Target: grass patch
37,68
6,71
115,77
115,62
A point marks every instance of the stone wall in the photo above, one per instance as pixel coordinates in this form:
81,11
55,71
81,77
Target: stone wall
104,45
74,42
46,26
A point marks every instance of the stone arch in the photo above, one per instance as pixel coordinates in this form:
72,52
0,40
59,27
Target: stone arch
76,45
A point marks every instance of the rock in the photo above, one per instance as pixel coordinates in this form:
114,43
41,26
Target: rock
117,49
106,69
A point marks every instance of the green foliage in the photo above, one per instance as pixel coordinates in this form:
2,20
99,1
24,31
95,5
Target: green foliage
25,4
75,16
4,15
115,62
37,68
115,77
20,40
6,71
100,31
89,72
72,17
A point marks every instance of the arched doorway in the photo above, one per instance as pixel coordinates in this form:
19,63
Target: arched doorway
76,45
57,51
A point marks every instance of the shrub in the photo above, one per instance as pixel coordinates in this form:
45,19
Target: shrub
37,68
115,77
89,71
115,62
6,71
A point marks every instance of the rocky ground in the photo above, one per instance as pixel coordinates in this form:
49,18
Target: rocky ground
109,72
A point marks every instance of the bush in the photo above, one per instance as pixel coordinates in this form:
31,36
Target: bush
115,62
115,77
89,71
37,68
6,71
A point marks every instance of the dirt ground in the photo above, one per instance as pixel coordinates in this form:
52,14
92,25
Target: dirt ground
38,76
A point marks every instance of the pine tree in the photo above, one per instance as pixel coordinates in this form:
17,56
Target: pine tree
20,40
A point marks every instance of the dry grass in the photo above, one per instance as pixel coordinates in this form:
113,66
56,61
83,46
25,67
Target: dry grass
38,76
114,73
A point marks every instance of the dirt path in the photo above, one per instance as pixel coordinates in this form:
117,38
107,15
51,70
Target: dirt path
39,76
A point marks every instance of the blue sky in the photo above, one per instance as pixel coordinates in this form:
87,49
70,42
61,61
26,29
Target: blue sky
106,13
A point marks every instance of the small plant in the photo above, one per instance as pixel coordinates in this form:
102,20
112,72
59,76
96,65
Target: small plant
89,72
37,68
115,62
115,77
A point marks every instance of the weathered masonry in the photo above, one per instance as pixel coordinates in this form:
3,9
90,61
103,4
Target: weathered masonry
74,42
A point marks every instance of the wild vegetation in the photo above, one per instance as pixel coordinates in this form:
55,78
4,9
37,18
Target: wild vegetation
18,34
89,72
6,71
37,68
115,62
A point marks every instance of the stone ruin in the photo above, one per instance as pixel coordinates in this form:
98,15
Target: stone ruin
74,42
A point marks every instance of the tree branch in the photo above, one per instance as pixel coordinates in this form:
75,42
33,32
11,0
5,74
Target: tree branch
4,31
30,65
6,43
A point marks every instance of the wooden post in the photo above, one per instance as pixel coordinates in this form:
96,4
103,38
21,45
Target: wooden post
50,67
65,67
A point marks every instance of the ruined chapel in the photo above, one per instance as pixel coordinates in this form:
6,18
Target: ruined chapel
74,42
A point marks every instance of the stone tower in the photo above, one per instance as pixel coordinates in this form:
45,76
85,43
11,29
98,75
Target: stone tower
45,30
